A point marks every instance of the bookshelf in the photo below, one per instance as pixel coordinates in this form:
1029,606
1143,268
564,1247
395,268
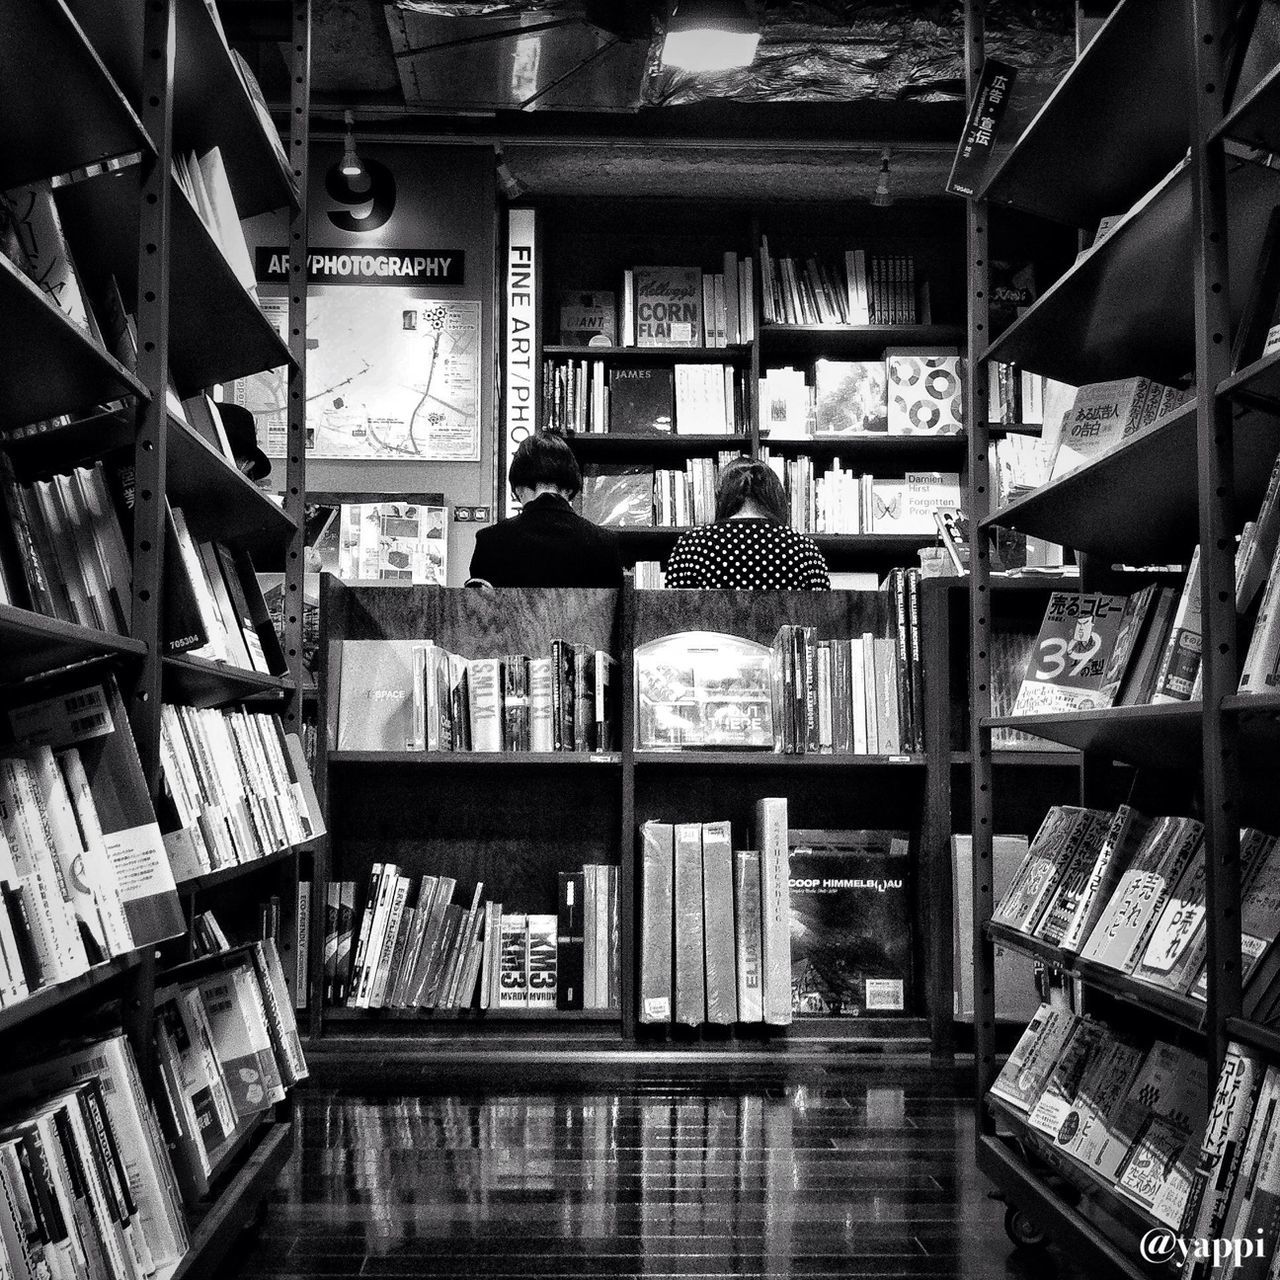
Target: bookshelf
484,816
134,83
1159,297
586,246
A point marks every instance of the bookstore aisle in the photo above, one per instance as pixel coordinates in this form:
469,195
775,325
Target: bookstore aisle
764,1171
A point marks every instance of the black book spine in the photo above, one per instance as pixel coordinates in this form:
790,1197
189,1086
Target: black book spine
570,942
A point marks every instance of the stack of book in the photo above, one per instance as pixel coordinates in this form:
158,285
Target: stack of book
1095,651
640,497
588,397
841,501
1126,892
1127,1112
228,1049
414,695
715,922
87,1187
911,391
860,289
410,946
688,307
238,785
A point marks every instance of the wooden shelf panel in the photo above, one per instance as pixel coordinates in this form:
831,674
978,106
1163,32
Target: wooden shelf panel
1024,1187
224,875
735,355
30,644
878,447
1139,503
1255,119
472,1017
610,447
217,332
1128,306
480,759
1014,758
1158,737
203,682
852,341
211,105
50,366
1117,89
769,760
51,997
86,120
894,548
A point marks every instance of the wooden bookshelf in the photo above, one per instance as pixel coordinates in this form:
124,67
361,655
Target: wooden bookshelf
851,341
478,759
34,644
738,354
206,682
53,997
656,448
225,875
874,448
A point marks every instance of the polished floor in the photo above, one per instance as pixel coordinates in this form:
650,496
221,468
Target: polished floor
843,1173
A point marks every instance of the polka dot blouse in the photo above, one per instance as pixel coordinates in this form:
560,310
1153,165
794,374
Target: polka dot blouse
753,555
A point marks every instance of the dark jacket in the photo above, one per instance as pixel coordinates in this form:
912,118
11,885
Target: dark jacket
547,545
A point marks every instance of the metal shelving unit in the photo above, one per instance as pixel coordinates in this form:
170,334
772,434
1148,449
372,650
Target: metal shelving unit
1159,297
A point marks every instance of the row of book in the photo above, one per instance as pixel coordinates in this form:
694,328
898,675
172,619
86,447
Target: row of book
228,1049
1127,1111
410,946
702,689
715,922
1015,397
239,785
203,180
1126,892
414,695
682,306
588,397
632,496
911,391
827,498
859,289
87,1184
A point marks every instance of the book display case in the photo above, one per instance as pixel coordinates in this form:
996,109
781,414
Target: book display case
97,98
587,246
513,819
1160,297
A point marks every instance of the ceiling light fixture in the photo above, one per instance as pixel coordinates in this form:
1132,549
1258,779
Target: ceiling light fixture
883,197
710,35
352,166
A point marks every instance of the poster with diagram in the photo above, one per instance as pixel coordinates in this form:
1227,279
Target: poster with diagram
389,377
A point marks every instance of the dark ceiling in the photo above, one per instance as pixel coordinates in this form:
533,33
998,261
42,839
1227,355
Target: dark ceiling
574,93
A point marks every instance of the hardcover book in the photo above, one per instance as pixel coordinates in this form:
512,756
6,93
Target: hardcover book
588,318
668,306
618,496
1068,668
775,900
851,938
379,700
851,397
1023,1076
718,923
748,942
688,926
657,889
925,394
642,400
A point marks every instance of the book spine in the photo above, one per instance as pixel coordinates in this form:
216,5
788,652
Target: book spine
570,940
775,907
657,880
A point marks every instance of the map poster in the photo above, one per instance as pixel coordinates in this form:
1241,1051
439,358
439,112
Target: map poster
389,376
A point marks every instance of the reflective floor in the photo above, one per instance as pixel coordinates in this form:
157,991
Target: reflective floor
844,1174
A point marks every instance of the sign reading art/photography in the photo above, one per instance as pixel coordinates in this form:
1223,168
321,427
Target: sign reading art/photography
388,376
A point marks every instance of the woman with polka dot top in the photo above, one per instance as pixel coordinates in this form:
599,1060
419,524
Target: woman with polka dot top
750,545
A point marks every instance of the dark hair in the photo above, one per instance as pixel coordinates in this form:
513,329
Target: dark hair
742,479
545,459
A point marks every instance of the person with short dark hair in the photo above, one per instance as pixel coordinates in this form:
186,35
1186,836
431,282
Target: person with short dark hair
548,544
750,545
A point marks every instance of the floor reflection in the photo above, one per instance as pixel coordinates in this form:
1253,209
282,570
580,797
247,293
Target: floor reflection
647,1179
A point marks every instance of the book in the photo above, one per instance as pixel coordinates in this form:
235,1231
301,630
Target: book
925,393
588,318
775,908
379,698
748,938
641,400
1073,648
513,961
850,396
1023,1076
976,151
851,936
668,306
657,890
570,940
718,923
1081,1048
1104,414
1180,662
618,495
540,964
688,926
